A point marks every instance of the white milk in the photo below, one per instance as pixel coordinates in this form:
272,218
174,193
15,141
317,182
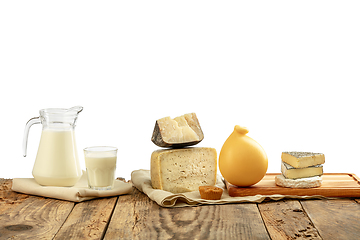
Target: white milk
100,169
57,161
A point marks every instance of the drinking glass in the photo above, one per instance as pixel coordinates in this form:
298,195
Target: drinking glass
100,164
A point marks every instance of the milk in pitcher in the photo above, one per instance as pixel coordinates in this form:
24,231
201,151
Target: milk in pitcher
57,161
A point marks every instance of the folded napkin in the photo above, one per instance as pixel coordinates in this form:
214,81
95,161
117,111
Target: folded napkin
142,181
78,193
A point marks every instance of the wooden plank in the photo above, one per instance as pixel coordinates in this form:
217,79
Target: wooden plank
334,219
124,219
137,217
234,221
9,198
34,218
333,185
287,220
88,220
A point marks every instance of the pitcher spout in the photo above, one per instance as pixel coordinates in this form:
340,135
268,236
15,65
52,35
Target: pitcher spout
76,109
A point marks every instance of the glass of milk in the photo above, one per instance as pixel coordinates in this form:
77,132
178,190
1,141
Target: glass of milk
100,167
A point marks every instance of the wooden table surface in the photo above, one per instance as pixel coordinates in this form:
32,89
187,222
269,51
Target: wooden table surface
135,216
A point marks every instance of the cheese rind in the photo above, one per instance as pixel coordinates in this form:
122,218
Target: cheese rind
183,170
310,182
302,159
178,132
294,173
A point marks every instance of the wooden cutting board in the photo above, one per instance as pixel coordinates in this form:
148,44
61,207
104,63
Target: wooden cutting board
333,185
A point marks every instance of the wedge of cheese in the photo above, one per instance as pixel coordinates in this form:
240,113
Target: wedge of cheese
310,182
183,170
178,132
302,159
294,173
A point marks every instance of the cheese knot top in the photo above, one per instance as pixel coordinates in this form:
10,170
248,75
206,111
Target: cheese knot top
241,130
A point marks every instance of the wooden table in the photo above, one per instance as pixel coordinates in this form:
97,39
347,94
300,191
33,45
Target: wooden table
135,216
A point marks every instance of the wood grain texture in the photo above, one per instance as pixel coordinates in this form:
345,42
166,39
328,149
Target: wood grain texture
34,218
287,220
88,220
333,185
8,198
334,219
137,217
124,220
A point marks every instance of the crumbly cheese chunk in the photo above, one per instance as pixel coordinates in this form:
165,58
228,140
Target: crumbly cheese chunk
310,182
293,173
183,170
302,159
178,130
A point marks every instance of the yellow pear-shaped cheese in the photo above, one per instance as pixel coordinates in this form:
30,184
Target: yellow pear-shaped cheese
242,161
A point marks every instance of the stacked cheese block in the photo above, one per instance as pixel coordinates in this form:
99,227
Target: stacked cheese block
176,167
301,170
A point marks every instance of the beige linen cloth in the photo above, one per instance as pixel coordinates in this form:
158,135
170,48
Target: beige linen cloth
142,181
78,193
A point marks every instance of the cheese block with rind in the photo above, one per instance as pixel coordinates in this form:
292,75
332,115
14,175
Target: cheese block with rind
183,170
303,159
178,132
310,182
290,172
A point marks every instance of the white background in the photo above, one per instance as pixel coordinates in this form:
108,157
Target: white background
286,70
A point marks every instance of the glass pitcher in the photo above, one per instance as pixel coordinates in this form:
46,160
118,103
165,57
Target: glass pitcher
56,162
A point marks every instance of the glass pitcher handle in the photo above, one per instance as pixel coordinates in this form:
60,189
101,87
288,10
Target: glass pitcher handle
26,132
